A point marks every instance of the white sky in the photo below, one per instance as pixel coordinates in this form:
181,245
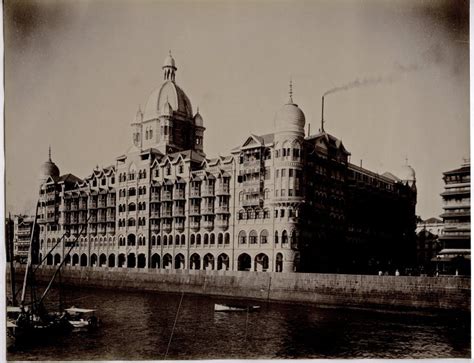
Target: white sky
76,71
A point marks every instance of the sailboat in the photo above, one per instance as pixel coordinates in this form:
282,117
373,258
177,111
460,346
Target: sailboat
32,320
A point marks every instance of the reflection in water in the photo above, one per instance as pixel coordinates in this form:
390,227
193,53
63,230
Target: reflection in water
137,325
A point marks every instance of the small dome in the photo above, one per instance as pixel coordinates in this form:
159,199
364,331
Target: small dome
48,169
407,173
198,121
169,62
290,117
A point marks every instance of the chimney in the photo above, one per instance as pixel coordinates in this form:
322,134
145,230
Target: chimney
322,114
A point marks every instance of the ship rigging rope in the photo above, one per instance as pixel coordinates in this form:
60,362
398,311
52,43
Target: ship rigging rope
174,324
57,243
61,265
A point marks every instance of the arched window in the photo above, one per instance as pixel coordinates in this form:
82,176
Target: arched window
158,240
227,238
183,240
276,237
242,237
165,240
284,237
198,239
206,239
192,239
219,239
153,240
253,237
213,239
264,236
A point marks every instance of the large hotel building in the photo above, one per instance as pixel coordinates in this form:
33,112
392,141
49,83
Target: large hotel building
284,201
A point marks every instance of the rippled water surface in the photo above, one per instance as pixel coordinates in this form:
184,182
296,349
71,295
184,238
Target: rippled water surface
138,325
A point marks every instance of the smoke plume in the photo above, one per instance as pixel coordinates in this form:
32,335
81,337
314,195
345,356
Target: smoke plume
432,56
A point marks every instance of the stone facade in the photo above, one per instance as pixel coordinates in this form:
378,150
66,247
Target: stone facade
280,202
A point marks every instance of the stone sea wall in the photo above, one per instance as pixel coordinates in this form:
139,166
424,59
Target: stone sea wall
412,292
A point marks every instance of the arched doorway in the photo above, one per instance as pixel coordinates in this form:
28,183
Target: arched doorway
111,260
93,260
261,262
141,260
67,260
195,262
208,262
244,262
279,263
155,261
75,260
179,261
83,259
223,262
103,260
121,260
131,260
167,261
131,240
57,259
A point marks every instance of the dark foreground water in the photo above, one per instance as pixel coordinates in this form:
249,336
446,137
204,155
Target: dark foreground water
138,325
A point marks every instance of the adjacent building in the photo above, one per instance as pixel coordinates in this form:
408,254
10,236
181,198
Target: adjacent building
428,245
283,201
22,229
455,239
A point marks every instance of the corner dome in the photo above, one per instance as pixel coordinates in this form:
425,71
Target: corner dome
198,121
290,117
169,93
407,173
48,169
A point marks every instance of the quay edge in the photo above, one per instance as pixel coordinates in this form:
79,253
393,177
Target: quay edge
451,293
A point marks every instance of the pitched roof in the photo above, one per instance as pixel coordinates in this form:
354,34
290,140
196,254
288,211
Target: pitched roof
68,178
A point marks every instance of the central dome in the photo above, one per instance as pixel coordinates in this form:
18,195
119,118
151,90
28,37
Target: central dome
170,93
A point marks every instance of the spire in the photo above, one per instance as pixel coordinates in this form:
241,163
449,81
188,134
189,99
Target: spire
290,92
49,153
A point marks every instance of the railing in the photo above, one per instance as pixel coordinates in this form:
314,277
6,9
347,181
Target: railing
155,198
166,196
207,210
195,193
154,214
194,225
252,202
223,190
222,209
208,225
207,192
195,212
222,224
178,194
178,212
166,213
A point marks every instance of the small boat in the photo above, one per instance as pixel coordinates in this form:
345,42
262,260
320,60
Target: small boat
235,308
82,319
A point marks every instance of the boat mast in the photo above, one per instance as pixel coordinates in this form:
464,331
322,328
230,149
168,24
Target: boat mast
11,257
30,255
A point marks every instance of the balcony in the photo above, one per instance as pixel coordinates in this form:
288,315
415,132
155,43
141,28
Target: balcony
223,190
209,225
93,219
178,212
222,224
167,227
178,195
82,206
166,213
111,218
102,204
93,205
208,192
195,193
111,202
102,219
154,214
223,209
252,202
195,225
207,210
166,196
155,198
155,228
74,207
179,226
195,212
